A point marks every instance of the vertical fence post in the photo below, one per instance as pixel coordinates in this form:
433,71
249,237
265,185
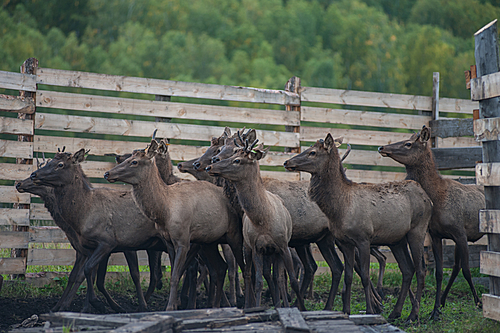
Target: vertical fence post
435,103
293,85
487,62
28,67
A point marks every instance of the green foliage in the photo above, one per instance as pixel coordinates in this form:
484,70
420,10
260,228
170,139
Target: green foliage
373,45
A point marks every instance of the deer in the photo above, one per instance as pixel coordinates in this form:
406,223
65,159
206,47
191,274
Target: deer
185,213
105,220
267,224
455,214
361,215
309,222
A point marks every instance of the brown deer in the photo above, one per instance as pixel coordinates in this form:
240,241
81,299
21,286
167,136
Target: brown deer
105,220
186,212
267,224
361,215
455,213
310,224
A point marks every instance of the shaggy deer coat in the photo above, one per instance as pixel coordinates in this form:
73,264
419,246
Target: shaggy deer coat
456,208
362,215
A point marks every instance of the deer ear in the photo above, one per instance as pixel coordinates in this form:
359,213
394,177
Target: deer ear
152,150
215,141
329,142
227,132
425,134
338,141
251,135
79,156
163,147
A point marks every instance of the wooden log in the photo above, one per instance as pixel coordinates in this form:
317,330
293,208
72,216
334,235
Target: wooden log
384,100
116,105
324,315
292,320
77,319
368,319
17,104
14,239
11,216
445,128
11,171
457,158
490,263
13,265
487,129
17,149
17,81
74,79
363,118
8,194
489,221
149,324
491,306
488,174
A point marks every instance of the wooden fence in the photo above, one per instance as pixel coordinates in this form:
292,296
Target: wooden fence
116,114
486,89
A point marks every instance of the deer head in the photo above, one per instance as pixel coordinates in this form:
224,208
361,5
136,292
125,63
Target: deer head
316,157
409,152
214,149
240,164
61,170
130,170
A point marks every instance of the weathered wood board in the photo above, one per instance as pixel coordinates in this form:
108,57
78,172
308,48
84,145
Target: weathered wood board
18,104
489,221
491,306
17,81
490,263
487,129
488,174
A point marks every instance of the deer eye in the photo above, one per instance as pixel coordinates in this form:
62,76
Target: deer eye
312,153
60,165
408,144
237,161
218,151
134,162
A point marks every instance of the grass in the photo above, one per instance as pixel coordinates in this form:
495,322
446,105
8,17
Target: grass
459,314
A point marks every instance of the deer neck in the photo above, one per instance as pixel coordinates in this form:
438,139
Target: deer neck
425,173
151,194
164,165
73,200
329,188
253,198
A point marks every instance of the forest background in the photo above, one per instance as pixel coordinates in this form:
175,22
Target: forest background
372,45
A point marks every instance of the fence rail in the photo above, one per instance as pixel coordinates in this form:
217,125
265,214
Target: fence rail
116,114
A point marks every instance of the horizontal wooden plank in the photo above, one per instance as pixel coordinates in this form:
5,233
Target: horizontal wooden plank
366,157
17,104
487,129
16,126
363,118
13,265
17,149
14,239
491,306
367,176
39,212
17,81
359,137
488,174
457,158
445,128
47,235
12,216
12,171
65,257
69,101
490,263
489,221
8,194
484,87
385,100
66,78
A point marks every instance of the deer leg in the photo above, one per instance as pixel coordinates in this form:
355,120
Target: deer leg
381,258
437,250
231,272
376,299
287,259
271,278
75,279
181,252
133,264
364,263
154,260
250,300
416,241
281,283
101,252
219,266
101,278
463,262
258,263
308,264
327,249
407,271
348,251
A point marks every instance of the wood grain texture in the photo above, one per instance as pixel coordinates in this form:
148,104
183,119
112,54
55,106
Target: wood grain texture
487,129
8,194
488,174
489,221
445,128
140,107
13,216
13,265
17,81
490,263
485,87
65,78
11,171
17,104
17,149
14,239
491,306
